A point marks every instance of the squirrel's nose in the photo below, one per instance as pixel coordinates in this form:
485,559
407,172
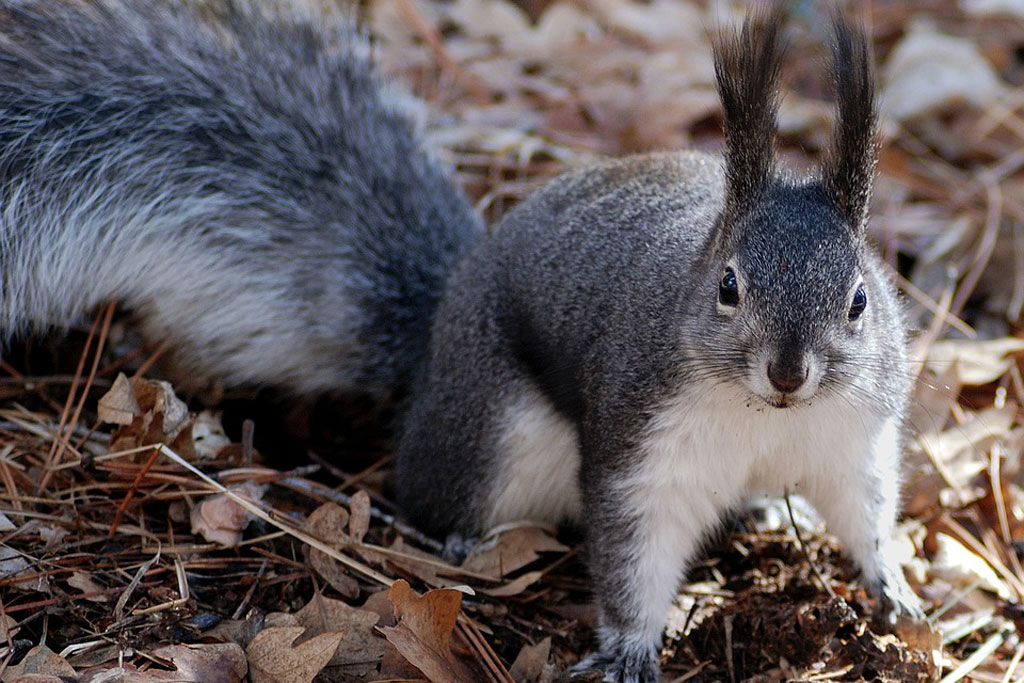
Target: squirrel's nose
786,377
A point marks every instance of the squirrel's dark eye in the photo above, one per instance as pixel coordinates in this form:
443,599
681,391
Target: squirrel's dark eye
729,289
860,301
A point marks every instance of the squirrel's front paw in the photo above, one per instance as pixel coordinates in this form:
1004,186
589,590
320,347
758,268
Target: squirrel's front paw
896,597
457,547
624,664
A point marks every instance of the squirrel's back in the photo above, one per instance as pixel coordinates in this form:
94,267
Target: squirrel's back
240,180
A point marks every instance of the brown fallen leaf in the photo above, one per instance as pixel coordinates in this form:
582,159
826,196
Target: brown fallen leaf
147,412
39,661
221,662
513,549
118,405
531,662
424,631
84,582
513,587
361,648
328,523
274,658
220,519
379,604
359,522
425,566
208,435
395,667
238,631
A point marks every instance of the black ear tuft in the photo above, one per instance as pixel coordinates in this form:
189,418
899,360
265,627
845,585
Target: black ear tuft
849,168
747,67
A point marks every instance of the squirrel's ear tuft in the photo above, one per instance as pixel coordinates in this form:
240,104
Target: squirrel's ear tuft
747,67
849,168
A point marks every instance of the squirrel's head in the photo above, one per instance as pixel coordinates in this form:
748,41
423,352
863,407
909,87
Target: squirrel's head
794,282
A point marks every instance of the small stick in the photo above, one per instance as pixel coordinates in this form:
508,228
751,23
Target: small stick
803,549
131,490
242,606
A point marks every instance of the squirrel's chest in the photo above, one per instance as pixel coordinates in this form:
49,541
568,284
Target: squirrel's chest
729,446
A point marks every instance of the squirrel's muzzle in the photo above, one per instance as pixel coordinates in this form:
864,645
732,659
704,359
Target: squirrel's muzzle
787,375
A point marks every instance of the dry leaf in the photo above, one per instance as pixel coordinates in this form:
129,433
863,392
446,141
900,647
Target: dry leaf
221,662
328,523
489,18
13,564
174,411
956,446
361,648
959,566
424,632
984,7
273,657
84,582
219,519
208,435
531,662
8,630
157,416
426,567
928,70
359,521
515,586
118,405
39,660
379,604
238,631
934,399
977,362
512,549
395,667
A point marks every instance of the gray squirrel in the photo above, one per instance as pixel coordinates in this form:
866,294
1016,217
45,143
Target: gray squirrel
643,344
637,347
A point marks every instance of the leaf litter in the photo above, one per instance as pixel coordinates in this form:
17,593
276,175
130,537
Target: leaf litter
298,569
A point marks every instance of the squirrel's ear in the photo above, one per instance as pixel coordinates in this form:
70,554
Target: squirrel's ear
747,66
849,168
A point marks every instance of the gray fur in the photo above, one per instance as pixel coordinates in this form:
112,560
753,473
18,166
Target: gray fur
236,178
600,293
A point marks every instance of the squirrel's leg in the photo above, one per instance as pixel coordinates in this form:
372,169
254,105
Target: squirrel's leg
642,531
481,445
859,499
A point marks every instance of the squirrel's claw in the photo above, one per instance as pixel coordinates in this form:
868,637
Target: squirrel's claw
623,665
895,596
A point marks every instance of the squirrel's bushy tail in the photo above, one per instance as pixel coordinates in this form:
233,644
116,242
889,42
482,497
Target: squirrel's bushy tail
241,182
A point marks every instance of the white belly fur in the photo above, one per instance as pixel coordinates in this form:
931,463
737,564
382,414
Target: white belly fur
540,463
703,454
707,451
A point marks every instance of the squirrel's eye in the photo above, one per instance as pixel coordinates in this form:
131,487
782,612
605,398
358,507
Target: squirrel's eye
860,301
729,289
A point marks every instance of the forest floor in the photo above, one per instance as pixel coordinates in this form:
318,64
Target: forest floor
145,538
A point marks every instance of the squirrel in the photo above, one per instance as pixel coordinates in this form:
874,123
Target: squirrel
637,346
641,345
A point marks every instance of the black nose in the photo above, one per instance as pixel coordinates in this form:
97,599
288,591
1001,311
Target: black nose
786,377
